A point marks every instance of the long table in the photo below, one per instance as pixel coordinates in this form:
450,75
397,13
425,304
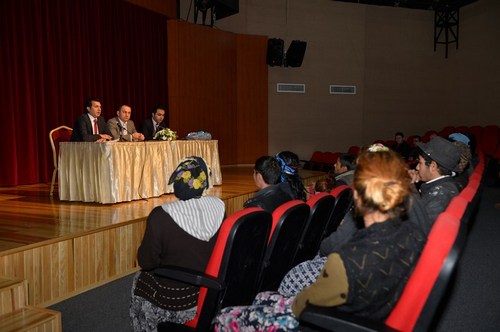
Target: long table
112,172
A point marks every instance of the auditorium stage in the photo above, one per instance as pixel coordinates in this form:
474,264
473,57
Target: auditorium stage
65,248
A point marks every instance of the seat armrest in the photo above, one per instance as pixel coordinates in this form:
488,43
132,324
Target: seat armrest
315,318
188,276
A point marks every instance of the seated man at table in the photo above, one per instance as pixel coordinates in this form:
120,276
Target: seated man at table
122,128
267,176
90,126
158,121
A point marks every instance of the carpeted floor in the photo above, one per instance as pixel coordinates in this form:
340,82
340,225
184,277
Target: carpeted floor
473,305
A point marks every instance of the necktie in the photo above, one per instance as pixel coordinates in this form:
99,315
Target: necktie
156,128
96,129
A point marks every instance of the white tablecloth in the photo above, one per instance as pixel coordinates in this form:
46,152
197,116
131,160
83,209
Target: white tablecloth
112,172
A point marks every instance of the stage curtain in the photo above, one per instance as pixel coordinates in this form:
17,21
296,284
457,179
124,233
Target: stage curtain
54,54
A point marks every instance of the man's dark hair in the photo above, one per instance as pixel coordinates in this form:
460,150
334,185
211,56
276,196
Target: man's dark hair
88,103
442,170
347,160
158,106
399,134
269,168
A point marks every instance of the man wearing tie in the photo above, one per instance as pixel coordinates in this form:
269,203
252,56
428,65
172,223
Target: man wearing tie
121,127
158,121
90,126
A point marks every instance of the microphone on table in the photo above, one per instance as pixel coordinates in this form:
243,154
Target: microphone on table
126,130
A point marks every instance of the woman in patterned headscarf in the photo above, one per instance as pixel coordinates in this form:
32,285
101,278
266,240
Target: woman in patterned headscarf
180,233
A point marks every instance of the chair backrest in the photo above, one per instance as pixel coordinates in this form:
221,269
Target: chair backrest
427,136
316,161
446,131
427,284
476,131
457,206
321,206
343,203
468,193
490,137
57,135
462,129
289,220
354,150
236,262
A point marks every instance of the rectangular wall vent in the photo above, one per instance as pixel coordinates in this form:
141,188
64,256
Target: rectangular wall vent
342,89
291,88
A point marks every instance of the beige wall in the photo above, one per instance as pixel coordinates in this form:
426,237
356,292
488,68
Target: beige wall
388,54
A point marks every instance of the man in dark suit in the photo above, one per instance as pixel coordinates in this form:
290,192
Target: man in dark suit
90,126
158,121
122,128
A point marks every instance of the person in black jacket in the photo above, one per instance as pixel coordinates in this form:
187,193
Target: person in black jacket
437,161
267,176
158,121
90,126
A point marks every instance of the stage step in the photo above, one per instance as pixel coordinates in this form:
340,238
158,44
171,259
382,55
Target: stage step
17,315
31,319
13,294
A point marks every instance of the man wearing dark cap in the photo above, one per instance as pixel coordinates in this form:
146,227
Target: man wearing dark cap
437,160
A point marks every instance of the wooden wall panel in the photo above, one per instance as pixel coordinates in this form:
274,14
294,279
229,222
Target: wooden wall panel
63,269
204,65
252,120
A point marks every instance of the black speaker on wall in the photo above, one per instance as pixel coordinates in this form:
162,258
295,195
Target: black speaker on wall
295,53
275,49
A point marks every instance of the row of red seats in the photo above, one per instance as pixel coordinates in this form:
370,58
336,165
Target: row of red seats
254,250
425,289
487,139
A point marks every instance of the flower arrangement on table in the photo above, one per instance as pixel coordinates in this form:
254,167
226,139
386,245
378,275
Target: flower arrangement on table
166,135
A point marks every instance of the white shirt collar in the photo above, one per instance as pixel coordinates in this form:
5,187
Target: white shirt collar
438,178
91,118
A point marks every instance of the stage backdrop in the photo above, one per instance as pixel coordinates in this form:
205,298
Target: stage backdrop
54,54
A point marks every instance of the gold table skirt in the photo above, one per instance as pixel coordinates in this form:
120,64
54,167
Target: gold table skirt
112,172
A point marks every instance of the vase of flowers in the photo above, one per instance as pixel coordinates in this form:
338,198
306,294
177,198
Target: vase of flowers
166,135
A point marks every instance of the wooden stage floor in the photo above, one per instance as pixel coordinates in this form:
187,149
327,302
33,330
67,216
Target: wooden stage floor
84,245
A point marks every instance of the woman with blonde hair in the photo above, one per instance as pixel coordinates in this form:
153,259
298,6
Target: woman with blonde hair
374,264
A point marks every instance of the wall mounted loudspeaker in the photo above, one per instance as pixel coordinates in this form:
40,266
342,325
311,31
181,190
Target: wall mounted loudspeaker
275,52
295,53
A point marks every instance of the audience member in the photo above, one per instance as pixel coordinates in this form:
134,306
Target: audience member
413,156
344,169
341,174
291,182
464,167
180,233
436,161
323,186
432,199
158,121
401,146
267,176
122,128
305,273
90,126
357,271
